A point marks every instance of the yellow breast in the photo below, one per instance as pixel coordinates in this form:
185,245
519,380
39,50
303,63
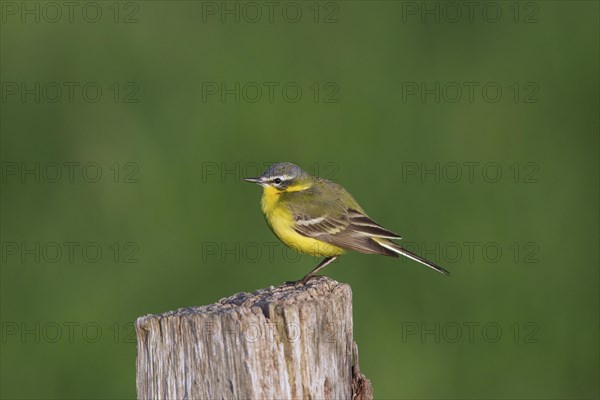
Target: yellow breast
281,221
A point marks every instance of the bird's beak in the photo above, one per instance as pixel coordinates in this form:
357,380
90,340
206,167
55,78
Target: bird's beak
253,180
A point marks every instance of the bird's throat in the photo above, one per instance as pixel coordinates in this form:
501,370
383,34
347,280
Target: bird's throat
269,199
272,195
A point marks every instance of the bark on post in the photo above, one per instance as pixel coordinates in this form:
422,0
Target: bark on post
275,343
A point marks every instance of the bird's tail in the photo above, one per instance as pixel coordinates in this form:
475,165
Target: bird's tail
388,244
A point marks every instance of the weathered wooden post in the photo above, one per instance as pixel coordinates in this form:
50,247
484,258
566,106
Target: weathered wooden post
286,342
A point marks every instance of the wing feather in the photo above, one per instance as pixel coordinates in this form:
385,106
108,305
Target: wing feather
363,224
340,231
329,213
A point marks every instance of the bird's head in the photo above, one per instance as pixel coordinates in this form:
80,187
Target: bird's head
283,177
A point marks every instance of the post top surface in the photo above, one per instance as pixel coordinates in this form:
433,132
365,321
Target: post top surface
261,300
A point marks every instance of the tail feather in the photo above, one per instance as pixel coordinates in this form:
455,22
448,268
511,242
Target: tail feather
402,251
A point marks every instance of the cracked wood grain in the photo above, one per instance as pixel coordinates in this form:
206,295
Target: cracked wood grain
285,342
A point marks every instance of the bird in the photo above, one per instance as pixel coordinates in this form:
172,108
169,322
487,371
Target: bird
319,217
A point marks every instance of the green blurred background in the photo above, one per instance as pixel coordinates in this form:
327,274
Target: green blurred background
172,152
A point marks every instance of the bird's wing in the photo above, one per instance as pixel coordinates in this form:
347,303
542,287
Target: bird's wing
333,222
365,225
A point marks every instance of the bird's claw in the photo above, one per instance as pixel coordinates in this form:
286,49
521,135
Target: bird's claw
302,281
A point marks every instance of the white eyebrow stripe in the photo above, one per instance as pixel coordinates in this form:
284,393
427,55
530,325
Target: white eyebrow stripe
282,177
313,221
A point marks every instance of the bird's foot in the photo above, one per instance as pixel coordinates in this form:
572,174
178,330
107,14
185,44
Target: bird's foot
302,281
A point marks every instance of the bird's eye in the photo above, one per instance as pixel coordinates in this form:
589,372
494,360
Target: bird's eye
277,181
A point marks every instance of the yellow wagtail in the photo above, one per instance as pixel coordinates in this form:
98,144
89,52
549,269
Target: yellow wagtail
319,217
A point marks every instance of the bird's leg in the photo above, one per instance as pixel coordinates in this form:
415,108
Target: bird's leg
322,264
